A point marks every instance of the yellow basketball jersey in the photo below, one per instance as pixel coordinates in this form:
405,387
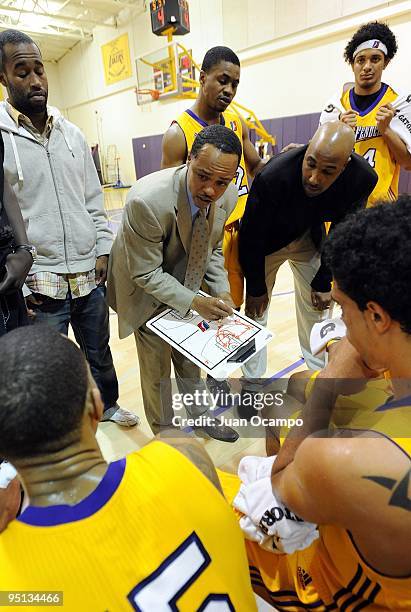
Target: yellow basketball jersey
191,124
155,535
358,404
392,420
331,573
371,145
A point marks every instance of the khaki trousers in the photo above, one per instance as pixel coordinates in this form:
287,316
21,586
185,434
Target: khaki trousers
155,357
304,260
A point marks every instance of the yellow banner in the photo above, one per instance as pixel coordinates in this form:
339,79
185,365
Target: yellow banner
116,60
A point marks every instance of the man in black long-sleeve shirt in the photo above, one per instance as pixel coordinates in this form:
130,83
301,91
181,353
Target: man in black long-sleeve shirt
290,199
15,262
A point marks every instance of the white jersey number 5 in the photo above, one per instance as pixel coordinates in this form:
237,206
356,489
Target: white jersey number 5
163,588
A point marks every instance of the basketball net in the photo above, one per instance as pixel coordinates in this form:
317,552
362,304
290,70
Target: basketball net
154,93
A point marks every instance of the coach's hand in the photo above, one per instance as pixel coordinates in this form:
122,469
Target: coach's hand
211,308
383,117
321,300
33,300
228,301
256,306
101,269
349,117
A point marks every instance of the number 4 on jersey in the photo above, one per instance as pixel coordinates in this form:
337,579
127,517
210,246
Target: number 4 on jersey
370,157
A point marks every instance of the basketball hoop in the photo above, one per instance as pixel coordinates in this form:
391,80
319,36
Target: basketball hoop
154,93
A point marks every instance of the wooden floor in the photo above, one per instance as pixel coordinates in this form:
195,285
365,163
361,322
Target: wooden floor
283,354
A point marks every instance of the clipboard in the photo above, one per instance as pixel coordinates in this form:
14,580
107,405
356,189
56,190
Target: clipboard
219,350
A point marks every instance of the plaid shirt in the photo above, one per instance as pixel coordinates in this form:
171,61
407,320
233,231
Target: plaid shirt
48,283
58,285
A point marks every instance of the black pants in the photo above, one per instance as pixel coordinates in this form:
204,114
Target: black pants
13,312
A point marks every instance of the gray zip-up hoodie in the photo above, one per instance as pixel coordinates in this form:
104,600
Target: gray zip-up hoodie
59,194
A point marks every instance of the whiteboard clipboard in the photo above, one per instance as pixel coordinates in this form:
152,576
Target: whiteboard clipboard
207,344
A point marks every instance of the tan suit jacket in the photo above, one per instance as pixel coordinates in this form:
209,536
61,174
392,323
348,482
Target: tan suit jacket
149,256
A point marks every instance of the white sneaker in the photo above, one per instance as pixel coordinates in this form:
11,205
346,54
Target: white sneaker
122,417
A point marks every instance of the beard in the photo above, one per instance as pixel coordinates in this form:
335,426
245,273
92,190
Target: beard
27,105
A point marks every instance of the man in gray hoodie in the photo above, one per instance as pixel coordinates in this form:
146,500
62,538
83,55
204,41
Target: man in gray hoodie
51,172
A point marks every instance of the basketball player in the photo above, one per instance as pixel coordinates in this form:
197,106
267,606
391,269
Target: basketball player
355,483
379,114
149,532
219,79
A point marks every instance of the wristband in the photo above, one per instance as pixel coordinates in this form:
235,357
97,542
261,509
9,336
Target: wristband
330,342
28,247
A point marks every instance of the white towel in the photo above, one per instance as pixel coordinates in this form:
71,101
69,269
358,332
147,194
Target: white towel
324,331
253,468
266,519
401,123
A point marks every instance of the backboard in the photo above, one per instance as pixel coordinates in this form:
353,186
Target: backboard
168,71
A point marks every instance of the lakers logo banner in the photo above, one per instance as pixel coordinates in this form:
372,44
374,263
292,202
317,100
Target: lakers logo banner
116,60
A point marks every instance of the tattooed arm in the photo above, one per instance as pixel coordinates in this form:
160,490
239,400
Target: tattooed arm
360,482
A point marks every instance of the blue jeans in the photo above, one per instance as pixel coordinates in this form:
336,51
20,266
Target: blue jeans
89,318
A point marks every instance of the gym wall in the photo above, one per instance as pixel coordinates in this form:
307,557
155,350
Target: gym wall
147,150
291,53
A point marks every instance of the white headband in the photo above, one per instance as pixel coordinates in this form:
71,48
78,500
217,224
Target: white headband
371,44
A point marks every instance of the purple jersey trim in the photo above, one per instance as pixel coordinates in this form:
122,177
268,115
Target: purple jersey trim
49,516
372,106
405,401
200,121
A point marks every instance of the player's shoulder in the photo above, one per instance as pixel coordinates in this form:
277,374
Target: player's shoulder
174,129
173,462
394,90
174,146
348,461
174,135
158,455
188,452
346,88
